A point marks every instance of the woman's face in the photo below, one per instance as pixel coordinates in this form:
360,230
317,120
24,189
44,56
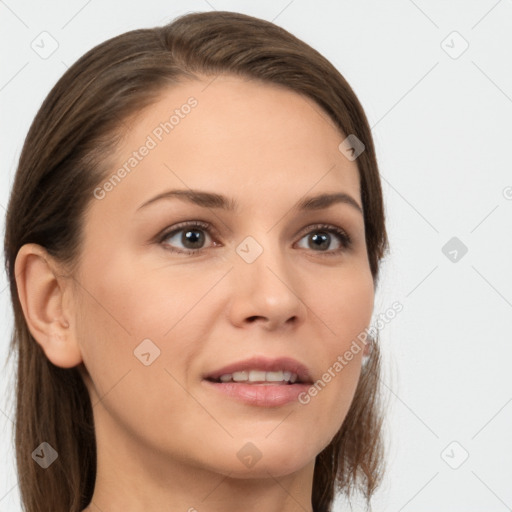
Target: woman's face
157,323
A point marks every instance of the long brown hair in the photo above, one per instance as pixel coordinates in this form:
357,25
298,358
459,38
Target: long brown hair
65,156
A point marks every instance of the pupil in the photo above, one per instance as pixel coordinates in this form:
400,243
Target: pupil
191,236
324,237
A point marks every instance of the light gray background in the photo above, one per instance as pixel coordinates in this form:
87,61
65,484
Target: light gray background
441,124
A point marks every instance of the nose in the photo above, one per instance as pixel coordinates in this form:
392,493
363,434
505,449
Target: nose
265,292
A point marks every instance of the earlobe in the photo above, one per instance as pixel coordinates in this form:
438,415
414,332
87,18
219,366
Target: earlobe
42,291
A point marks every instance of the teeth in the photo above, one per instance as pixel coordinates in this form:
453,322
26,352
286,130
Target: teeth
240,376
259,376
274,376
256,376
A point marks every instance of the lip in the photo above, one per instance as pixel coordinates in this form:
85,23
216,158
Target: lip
262,395
266,364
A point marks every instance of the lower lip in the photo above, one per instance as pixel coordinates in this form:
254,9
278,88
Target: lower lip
263,395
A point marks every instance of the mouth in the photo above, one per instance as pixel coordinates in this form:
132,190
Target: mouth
261,377
263,371
260,381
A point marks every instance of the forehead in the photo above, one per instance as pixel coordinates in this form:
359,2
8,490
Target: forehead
261,141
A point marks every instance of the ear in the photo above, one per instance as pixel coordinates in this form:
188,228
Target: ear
368,349
44,293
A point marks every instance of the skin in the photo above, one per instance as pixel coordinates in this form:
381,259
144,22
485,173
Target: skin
165,441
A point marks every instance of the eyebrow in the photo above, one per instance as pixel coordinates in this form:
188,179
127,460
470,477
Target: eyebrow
214,200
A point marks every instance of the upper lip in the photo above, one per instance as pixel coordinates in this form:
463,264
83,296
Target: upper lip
266,364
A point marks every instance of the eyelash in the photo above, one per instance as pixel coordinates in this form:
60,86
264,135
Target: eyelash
344,238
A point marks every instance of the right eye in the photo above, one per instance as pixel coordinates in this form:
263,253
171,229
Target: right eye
188,234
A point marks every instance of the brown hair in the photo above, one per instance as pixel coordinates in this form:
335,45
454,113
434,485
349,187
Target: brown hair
64,158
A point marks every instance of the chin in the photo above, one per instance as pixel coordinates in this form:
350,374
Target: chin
260,457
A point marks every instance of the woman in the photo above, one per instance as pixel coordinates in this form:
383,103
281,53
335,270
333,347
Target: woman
193,243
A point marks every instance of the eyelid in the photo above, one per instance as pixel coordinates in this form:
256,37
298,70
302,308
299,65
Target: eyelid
167,232
325,226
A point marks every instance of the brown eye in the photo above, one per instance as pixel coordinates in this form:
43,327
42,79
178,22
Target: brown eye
191,236
320,238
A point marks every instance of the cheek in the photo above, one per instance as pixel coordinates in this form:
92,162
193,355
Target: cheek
344,309
132,301
345,305
131,316
123,325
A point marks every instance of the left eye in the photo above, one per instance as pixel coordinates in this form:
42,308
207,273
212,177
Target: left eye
192,237
322,234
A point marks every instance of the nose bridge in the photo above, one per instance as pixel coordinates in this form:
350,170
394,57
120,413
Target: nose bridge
262,259
266,284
